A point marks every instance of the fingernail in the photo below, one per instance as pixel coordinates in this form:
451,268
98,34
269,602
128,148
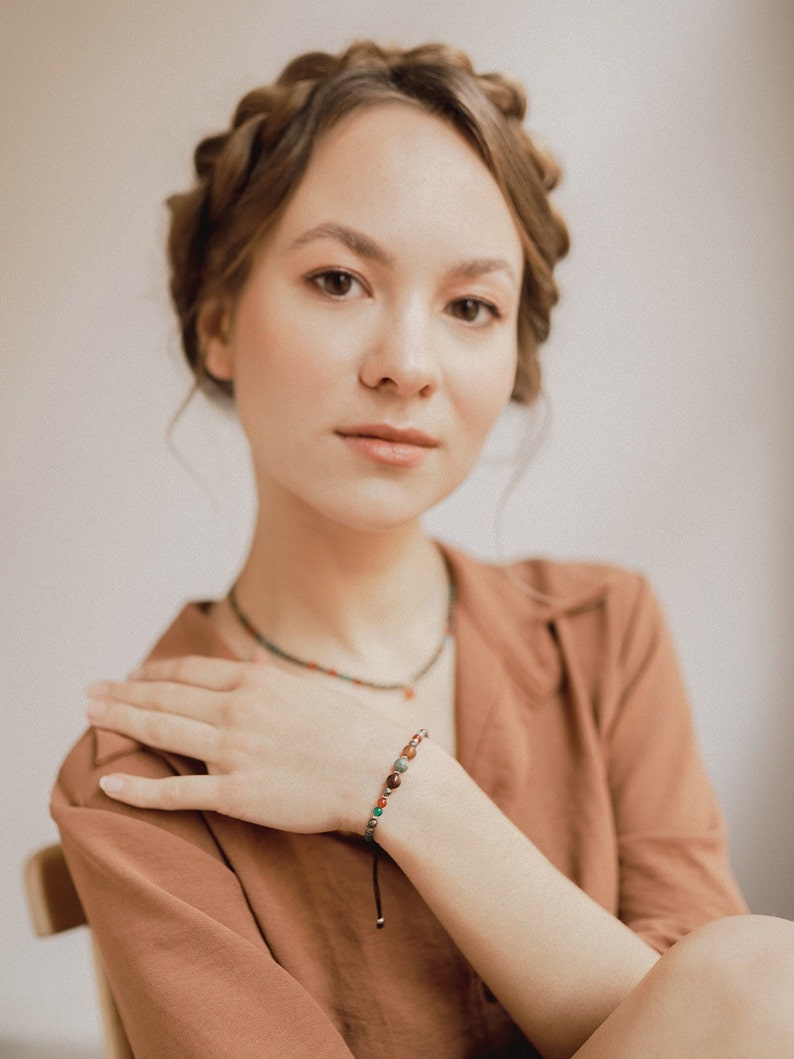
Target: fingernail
111,784
100,688
96,709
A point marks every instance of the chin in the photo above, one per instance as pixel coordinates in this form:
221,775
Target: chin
367,505
387,510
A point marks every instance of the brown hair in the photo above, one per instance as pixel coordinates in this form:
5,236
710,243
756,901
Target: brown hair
247,174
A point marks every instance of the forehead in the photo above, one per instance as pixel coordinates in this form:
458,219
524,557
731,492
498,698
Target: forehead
408,179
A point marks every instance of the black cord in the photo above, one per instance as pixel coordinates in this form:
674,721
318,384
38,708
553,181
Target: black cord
379,923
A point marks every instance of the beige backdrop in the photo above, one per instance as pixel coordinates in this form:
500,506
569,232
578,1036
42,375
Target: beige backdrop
669,376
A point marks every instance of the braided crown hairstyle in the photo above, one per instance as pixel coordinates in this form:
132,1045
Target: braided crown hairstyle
246,175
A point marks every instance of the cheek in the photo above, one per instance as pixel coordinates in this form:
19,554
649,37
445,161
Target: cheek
286,363
487,393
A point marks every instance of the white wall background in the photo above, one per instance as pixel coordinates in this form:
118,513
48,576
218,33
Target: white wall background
670,371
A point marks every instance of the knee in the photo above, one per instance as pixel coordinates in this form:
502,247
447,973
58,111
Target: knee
743,964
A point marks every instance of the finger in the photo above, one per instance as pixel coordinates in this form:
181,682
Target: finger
160,696
216,674
171,793
179,735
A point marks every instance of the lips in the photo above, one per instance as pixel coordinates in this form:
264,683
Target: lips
389,446
386,432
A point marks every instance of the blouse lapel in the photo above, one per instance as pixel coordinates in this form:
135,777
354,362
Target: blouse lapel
508,663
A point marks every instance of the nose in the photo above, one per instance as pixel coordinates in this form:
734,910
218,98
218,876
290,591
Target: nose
401,357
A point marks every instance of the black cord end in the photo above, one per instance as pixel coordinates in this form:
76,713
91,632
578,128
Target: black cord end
379,922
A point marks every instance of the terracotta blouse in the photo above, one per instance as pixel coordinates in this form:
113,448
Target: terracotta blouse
222,938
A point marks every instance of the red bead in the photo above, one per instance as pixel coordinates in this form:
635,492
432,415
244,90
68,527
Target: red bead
417,737
409,752
409,692
382,803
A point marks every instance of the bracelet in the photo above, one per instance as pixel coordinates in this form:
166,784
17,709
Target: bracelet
393,781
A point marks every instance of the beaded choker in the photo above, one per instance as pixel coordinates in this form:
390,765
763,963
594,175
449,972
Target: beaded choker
407,687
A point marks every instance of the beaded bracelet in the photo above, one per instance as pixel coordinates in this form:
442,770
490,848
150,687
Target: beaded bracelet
393,781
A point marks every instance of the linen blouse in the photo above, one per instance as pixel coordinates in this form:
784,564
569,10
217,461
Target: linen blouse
224,938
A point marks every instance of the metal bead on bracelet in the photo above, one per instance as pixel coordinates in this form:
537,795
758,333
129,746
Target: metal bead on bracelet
393,781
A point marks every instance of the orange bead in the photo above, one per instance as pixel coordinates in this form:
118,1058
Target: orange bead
409,752
382,803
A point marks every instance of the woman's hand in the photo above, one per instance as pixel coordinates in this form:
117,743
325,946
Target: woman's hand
281,751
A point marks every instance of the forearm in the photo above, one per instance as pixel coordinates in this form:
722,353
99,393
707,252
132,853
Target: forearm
557,961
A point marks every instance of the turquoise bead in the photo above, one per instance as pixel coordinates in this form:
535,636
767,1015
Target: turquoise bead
401,764
377,811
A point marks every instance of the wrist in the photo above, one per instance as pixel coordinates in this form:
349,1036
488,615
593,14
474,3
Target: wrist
393,782
431,777
390,787
372,756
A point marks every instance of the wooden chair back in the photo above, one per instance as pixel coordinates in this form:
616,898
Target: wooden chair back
54,907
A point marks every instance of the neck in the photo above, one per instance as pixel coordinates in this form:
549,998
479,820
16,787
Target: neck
364,602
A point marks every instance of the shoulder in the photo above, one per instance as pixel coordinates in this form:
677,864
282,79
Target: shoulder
550,622
190,632
574,585
550,589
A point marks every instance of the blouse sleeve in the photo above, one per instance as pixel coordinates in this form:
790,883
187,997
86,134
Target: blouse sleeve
190,971
674,872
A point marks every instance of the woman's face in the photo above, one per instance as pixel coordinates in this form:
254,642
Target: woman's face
374,342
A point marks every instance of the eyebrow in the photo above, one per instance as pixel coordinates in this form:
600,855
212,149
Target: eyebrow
480,266
365,247
356,241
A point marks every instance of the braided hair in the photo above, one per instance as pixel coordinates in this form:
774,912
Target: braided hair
246,175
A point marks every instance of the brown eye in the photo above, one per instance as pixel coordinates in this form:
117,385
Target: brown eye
335,282
467,309
471,310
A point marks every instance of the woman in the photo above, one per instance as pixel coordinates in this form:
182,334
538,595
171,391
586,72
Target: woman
366,264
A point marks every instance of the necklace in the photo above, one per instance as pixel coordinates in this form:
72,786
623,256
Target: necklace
407,687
